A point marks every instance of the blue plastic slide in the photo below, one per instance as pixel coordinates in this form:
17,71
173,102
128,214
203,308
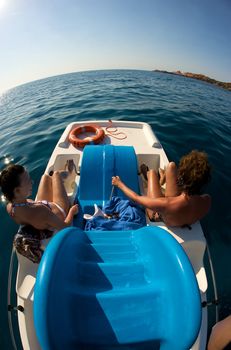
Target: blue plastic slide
116,289
99,164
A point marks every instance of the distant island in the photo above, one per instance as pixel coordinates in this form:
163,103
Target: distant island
202,77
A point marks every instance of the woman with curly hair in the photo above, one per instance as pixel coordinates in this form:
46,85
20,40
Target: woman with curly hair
182,204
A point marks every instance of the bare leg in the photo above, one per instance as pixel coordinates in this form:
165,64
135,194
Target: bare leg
221,335
45,189
172,189
59,193
154,189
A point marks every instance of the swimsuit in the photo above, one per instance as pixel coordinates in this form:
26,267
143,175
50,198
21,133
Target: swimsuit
44,202
157,217
27,241
60,209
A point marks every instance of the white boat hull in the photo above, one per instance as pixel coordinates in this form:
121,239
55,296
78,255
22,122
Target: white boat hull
149,151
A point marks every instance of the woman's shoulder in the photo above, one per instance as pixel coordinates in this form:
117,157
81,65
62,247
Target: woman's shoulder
23,209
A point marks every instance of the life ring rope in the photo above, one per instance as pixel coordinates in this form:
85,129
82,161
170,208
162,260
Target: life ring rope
114,132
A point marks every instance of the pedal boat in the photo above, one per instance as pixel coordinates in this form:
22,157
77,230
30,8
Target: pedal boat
140,289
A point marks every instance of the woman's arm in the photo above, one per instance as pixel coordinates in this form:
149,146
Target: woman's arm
156,204
43,218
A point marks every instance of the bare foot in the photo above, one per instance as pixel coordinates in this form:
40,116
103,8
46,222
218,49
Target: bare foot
69,169
70,166
144,170
162,176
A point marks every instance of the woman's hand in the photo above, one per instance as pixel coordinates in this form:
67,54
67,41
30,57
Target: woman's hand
116,181
72,212
74,209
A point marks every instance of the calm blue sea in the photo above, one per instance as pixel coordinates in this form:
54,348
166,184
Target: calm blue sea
184,113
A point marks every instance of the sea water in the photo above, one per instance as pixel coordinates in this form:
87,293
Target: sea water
184,113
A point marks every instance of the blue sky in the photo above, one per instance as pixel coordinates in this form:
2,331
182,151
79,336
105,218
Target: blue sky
41,38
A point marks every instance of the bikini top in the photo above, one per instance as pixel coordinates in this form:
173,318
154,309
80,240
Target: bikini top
14,205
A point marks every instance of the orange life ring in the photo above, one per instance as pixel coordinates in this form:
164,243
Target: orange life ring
97,138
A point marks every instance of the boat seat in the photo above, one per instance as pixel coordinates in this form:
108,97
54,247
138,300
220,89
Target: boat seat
26,275
99,164
125,289
194,244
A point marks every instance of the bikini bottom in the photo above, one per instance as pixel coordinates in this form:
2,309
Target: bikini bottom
60,209
27,242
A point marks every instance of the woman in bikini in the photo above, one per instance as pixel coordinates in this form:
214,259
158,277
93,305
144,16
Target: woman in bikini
182,204
41,218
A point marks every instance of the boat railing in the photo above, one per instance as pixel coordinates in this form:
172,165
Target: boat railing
11,308
214,302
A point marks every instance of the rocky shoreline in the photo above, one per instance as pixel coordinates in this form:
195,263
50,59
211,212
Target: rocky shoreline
202,77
